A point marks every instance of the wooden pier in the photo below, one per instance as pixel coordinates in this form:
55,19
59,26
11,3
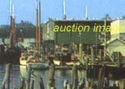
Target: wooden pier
79,67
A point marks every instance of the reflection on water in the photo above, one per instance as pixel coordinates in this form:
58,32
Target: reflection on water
1,73
60,76
14,76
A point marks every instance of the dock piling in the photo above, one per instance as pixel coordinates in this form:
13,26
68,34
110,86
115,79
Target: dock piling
41,84
32,84
51,80
28,79
22,85
66,84
75,77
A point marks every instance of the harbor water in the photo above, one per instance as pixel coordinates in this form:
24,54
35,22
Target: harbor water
60,76
14,76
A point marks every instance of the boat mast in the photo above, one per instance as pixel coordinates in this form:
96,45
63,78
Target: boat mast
38,27
64,9
12,25
86,13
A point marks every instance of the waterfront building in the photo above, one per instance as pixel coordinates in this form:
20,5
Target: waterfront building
118,29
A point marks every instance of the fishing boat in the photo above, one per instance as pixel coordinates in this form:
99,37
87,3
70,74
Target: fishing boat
66,58
72,62
33,56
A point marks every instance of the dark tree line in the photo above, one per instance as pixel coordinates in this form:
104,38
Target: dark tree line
23,29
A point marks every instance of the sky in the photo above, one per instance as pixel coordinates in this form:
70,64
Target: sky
75,9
